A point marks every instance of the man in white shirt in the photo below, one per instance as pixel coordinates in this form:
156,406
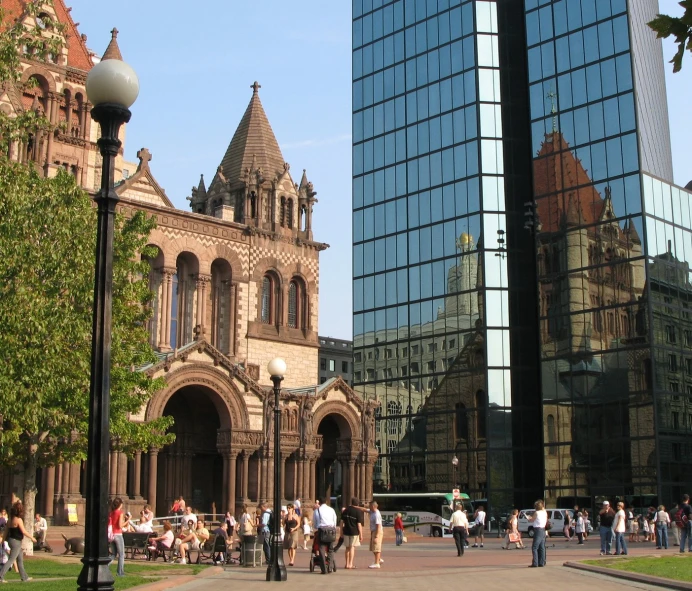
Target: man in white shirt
189,516
324,519
480,526
376,534
40,530
460,524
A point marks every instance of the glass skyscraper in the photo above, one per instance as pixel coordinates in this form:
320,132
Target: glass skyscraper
512,308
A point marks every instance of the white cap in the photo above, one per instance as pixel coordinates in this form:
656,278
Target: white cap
606,503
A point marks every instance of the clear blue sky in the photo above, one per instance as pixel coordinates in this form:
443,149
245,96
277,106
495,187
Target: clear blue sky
196,62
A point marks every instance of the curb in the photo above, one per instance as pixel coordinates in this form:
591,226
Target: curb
627,576
177,581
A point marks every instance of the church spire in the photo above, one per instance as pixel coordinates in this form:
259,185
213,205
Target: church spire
113,51
253,146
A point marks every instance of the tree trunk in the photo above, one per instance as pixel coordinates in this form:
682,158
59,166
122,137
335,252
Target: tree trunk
29,501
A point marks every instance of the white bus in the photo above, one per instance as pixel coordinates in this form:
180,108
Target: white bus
427,514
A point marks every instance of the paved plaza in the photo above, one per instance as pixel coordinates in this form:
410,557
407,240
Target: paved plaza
432,564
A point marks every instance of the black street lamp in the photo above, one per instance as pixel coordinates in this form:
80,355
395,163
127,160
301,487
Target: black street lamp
112,87
276,571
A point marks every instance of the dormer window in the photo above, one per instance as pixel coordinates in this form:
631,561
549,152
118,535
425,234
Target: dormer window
43,22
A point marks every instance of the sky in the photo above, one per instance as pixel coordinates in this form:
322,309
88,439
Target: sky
196,63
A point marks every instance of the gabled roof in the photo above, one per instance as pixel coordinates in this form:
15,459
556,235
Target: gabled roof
253,138
142,186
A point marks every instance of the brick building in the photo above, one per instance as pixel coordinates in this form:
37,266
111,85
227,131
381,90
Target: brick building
236,284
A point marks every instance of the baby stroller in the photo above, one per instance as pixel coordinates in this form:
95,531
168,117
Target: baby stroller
316,558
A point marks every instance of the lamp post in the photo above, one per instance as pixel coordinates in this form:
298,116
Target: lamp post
455,463
112,87
276,571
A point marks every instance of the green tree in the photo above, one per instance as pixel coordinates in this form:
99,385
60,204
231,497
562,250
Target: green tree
47,255
678,27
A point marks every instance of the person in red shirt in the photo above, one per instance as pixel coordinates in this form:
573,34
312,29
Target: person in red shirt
399,529
118,521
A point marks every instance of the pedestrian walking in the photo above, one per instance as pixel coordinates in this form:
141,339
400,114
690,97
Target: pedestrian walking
375,535
118,521
539,520
566,527
479,524
579,527
685,537
15,534
607,516
620,528
662,525
399,529
513,535
460,525
352,521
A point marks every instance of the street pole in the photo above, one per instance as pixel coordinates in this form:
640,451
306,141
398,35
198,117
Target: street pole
112,86
276,571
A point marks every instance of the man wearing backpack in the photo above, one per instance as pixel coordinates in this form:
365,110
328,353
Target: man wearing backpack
265,530
685,519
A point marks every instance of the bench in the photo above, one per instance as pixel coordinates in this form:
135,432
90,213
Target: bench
206,551
135,544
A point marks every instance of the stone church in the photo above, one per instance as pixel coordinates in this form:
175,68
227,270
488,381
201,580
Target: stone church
236,283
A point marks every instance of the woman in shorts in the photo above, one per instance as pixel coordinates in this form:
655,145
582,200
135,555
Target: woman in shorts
292,530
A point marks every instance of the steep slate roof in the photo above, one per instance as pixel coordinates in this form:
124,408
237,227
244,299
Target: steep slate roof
253,138
78,56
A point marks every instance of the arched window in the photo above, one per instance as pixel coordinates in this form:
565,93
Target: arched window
289,214
282,214
552,450
394,409
481,422
293,305
267,297
461,424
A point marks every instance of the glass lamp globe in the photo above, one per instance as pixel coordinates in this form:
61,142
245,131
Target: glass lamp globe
277,367
455,461
112,81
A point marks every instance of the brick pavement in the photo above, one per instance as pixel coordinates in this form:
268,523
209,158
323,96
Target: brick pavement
427,562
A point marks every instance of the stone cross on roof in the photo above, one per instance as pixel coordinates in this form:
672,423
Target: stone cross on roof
255,87
145,157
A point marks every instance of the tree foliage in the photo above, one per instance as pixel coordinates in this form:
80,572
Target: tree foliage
47,256
678,27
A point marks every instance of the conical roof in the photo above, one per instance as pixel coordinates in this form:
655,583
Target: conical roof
113,50
254,139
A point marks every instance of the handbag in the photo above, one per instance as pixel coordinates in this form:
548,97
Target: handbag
327,534
111,535
404,540
514,538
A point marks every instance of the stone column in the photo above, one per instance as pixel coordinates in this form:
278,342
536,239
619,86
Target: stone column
75,474
153,477
65,488
113,474
246,473
232,473
168,274
368,481
201,283
356,485
233,319
49,490
164,307
362,491
298,475
312,478
50,114
270,478
351,479
225,477
284,305
137,480
122,475
262,480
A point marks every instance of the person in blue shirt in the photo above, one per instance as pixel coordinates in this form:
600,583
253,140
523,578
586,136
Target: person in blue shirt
265,531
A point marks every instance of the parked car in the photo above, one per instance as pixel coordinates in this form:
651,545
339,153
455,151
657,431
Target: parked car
555,516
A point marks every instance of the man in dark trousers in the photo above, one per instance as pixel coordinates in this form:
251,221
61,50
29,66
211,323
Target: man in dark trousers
607,516
686,524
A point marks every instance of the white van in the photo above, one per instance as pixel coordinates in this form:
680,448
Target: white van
555,516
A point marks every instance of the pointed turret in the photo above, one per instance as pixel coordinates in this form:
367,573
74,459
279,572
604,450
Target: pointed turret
201,187
572,216
304,180
253,146
631,231
113,51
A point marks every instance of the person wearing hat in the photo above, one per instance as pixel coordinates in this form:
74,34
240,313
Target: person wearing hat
607,516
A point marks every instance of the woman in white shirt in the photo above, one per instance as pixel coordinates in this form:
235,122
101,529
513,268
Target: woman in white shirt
579,527
620,527
539,520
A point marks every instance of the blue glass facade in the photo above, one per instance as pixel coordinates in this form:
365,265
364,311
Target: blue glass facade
501,300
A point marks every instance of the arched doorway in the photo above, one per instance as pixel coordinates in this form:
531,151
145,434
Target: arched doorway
334,436
192,466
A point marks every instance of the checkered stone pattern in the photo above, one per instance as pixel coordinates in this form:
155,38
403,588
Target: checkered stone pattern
287,255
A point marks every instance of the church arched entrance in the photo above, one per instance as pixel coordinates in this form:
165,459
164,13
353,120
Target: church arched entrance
333,441
192,466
